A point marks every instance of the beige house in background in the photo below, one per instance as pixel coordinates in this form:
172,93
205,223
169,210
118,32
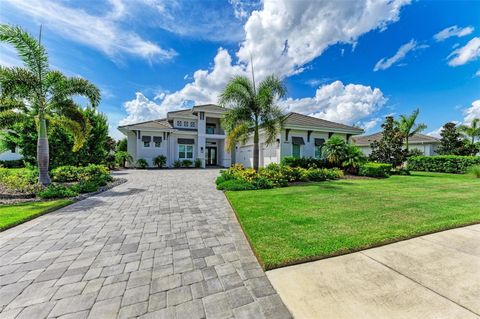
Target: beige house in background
196,133
424,143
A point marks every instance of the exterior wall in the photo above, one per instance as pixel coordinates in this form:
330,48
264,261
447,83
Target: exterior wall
307,150
149,153
132,146
428,149
9,156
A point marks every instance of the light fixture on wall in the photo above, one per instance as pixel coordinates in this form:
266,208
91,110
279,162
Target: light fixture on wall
278,142
201,149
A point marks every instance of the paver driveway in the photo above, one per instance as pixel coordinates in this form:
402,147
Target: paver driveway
163,245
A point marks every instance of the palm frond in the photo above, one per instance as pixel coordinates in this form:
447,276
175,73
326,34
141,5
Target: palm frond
270,89
31,52
238,92
64,88
9,104
239,133
9,118
17,82
79,131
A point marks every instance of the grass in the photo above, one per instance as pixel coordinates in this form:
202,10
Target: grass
11,215
299,223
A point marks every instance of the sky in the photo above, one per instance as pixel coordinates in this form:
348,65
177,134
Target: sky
353,62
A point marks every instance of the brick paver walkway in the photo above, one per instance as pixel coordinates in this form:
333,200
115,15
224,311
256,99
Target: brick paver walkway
163,245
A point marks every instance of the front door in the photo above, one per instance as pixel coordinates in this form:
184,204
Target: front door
211,155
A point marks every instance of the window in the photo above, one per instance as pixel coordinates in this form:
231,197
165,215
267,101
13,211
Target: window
179,123
296,150
192,124
185,123
157,141
185,151
146,141
211,128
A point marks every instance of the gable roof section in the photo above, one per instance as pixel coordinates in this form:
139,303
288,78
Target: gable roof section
155,124
185,112
297,119
208,108
366,140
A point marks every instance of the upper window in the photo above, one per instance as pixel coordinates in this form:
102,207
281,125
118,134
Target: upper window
185,123
179,123
192,124
185,151
210,128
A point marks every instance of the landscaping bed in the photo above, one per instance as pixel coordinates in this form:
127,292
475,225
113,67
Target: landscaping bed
317,220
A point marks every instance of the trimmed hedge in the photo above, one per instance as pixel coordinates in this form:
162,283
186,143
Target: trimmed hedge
303,162
443,163
372,169
12,164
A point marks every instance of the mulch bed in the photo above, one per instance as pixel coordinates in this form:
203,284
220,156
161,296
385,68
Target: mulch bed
8,197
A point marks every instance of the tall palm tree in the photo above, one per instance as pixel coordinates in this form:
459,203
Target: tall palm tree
408,126
35,91
471,131
251,109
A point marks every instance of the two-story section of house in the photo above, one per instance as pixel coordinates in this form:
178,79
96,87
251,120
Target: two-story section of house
183,135
197,133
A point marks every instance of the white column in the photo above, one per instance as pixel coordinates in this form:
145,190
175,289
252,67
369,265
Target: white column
201,140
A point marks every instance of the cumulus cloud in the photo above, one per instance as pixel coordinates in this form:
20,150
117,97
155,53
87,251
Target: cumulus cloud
465,54
453,31
386,63
99,32
370,124
142,109
473,112
285,35
339,102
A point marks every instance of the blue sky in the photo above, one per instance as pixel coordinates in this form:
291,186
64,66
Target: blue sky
351,62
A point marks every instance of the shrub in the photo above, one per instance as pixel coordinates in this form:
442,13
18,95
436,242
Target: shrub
57,191
186,163
335,151
316,175
110,161
304,162
235,185
160,161
122,158
400,171
12,164
262,183
354,159
375,169
86,187
475,171
443,163
20,180
142,163
64,174
197,163
177,164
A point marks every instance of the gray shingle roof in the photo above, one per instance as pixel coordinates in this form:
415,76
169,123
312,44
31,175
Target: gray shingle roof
155,124
417,138
298,119
207,108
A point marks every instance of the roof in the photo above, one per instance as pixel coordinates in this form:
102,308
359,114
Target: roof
298,119
417,138
155,124
208,108
185,112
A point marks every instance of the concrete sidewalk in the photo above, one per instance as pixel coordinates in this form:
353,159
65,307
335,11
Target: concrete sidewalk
433,276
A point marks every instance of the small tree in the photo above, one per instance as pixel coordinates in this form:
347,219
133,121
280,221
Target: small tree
408,126
451,142
389,149
122,145
353,159
335,151
471,131
160,161
123,158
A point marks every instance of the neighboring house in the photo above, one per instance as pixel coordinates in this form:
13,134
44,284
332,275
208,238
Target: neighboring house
424,143
196,133
11,155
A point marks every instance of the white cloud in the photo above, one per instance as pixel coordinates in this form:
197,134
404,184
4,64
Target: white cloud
465,54
477,73
385,63
436,133
142,109
453,31
100,32
473,112
370,124
285,35
338,102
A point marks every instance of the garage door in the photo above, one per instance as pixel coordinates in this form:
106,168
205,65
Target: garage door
269,154
245,156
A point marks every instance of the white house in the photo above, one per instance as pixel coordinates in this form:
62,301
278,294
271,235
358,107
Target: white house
196,133
424,143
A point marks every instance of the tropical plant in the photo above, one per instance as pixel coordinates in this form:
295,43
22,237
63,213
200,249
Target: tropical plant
389,149
142,163
177,164
122,145
408,126
471,131
123,158
354,159
35,91
251,109
186,163
197,163
335,151
160,161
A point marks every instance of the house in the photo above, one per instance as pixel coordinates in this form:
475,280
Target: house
196,133
424,143
11,155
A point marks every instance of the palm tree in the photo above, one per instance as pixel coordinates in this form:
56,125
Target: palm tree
252,109
471,131
335,151
35,91
408,127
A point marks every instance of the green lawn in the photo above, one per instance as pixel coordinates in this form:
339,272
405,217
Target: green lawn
11,215
312,221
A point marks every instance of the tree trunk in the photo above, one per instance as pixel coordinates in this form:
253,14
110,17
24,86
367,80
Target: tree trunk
406,143
256,151
43,155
